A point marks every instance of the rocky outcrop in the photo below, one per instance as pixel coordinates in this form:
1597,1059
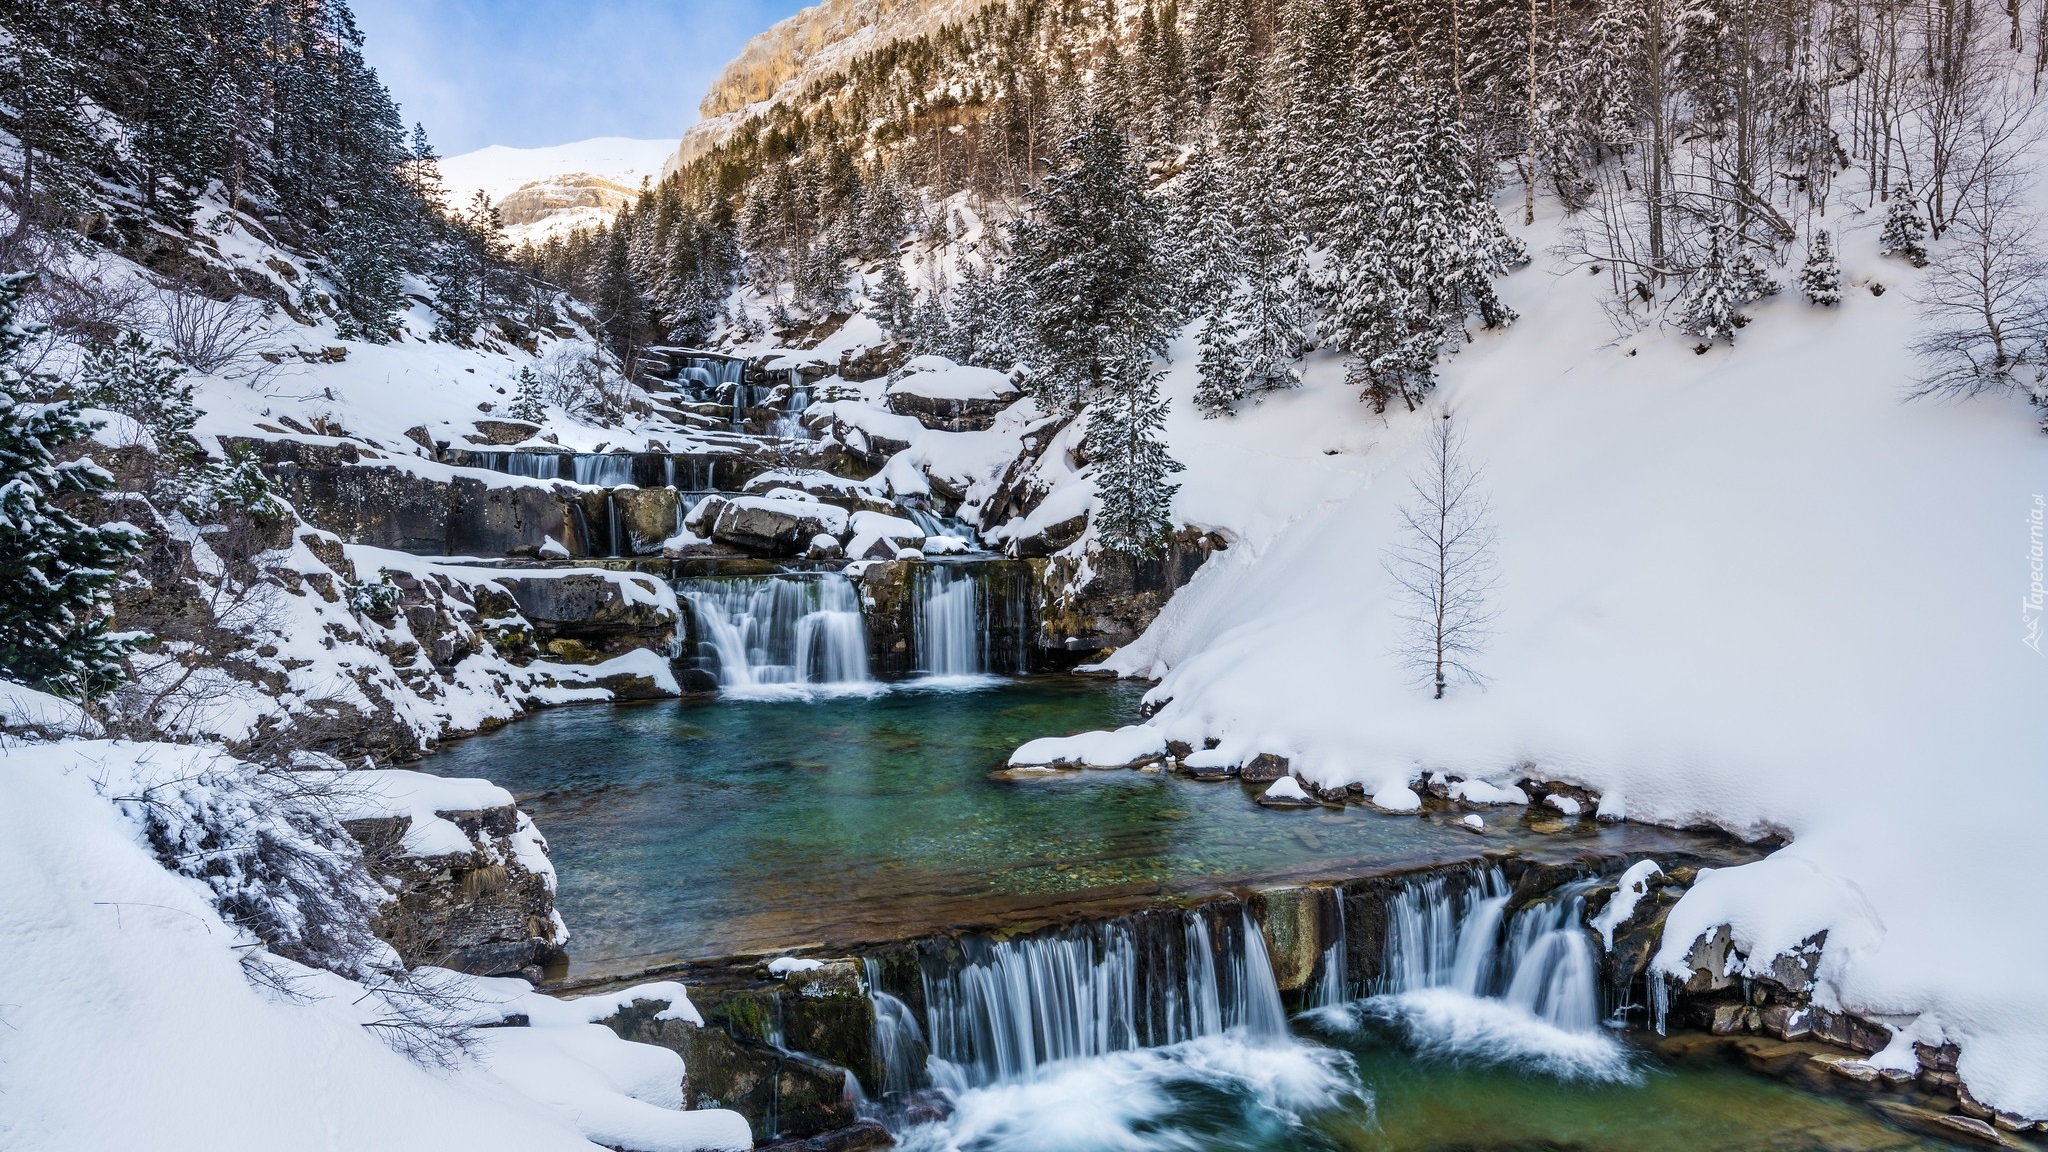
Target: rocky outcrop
479,911
1113,598
390,507
776,527
779,1052
589,617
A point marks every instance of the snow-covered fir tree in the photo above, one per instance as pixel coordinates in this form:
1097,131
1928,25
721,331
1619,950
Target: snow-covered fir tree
1711,307
1820,278
1905,233
1221,364
1088,269
1134,498
979,328
526,403
363,267
56,573
140,381
1414,252
894,301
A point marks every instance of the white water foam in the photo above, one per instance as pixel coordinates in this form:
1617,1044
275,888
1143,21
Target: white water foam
1136,1101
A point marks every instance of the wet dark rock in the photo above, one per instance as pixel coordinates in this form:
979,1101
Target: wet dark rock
479,912
950,414
859,1136
1291,919
392,508
1264,767
647,517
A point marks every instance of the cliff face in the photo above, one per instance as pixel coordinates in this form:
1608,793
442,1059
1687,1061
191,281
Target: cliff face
804,47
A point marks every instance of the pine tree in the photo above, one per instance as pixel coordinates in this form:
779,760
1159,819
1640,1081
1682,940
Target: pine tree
1712,305
526,403
1905,233
978,325
135,378
55,572
894,301
1133,498
1088,265
1821,276
1221,366
362,266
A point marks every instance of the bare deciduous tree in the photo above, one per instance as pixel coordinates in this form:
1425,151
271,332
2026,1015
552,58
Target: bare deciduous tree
1443,565
1986,300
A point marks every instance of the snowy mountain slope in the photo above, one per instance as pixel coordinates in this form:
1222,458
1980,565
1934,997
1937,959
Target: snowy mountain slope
1755,587
779,62
543,192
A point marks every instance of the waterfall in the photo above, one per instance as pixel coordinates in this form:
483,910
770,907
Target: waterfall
1446,931
1000,1011
1333,985
899,1042
602,469
611,517
531,465
790,425
969,620
756,631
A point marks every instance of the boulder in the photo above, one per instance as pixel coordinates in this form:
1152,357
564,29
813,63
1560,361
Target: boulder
479,912
647,517
949,397
505,431
1264,768
588,617
394,508
777,527
879,536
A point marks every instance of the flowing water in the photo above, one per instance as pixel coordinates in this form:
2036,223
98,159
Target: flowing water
778,635
705,828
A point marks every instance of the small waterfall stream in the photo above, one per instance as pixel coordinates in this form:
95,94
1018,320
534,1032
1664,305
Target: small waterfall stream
969,619
758,631
998,1012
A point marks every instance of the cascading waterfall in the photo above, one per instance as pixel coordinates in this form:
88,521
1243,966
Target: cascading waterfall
899,1043
531,465
1447,932
757,631
1006,1009
611,518
790,425
602,469
969,620
1333,984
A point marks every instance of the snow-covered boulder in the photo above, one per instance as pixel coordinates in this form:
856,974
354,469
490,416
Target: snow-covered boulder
852,495
950,397
1286,792
878,536
777,527
1126,747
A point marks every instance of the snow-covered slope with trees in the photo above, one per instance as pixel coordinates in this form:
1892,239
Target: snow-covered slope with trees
1757,587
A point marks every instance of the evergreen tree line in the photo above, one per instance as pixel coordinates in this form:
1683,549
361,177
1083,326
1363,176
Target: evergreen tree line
128,112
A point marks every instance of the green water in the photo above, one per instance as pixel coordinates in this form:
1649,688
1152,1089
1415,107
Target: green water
699,829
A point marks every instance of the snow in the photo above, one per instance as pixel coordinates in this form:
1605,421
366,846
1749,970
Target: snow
871,528
1564,804
784,965
1285,788
1755,587
937,378
497,170
116,966
1126,745
1634,885
50,716
1481,792
1471,820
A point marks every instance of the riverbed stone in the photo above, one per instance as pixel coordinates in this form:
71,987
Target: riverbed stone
1291,920
776,527
1264,768
647,517
1945,1126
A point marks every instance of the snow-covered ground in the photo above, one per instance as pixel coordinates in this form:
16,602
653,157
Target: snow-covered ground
1757,587
127,1020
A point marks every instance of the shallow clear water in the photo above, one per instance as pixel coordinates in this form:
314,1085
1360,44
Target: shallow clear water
698,829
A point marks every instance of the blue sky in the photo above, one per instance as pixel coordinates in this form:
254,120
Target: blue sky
535,72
